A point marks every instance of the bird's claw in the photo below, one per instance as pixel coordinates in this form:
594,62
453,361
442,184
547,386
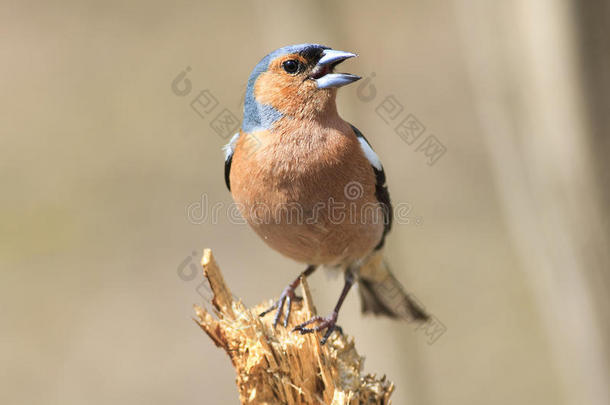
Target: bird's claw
329,323
287,297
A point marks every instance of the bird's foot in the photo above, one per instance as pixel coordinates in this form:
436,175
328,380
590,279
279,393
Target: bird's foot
287,297
329,323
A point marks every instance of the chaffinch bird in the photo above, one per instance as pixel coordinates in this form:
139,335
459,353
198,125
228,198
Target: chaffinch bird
309,183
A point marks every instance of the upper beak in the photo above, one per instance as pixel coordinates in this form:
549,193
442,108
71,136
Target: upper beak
323,71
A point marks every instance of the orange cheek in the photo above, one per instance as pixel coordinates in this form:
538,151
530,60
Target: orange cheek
278,90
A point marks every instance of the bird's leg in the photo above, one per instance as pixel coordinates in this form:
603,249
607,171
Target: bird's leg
330,322
288,295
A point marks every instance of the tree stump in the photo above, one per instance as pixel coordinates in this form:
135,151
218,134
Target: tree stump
277,366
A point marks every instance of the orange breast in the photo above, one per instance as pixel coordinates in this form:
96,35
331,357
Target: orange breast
308,190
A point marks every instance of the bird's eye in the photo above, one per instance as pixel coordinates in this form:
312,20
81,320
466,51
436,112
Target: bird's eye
291,66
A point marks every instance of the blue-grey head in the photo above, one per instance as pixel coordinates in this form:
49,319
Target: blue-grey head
296,80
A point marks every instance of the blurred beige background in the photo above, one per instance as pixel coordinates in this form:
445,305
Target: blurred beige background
100,160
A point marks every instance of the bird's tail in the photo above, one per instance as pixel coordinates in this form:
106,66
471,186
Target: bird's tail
382,294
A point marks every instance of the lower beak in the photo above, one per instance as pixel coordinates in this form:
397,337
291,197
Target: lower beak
323,72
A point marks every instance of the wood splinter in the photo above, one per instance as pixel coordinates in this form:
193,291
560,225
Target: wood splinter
277,366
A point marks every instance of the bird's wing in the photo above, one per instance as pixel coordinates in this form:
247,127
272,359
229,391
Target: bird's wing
381,189
229,149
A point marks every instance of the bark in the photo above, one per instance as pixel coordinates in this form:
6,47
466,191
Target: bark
277,366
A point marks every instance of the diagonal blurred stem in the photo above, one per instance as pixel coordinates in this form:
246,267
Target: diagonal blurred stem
528,97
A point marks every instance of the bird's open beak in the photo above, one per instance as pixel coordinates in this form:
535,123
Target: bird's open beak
323,72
